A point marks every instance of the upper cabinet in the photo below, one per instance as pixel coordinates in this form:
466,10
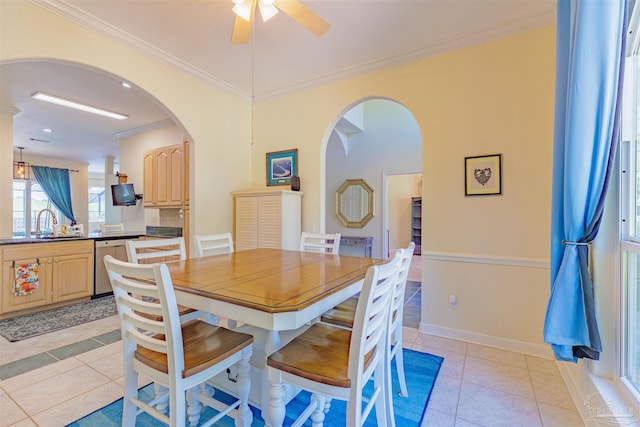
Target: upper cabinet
166,176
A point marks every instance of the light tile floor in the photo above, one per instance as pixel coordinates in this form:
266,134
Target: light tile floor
52,381
477,386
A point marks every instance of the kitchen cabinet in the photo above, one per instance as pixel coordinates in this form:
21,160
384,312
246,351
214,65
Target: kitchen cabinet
268,219
187,171
164,176
65,273
71,275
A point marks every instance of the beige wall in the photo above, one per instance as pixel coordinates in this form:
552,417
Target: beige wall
217,121
6,172
492,252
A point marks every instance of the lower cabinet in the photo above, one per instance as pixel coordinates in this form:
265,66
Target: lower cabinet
71,274
64,272
40,296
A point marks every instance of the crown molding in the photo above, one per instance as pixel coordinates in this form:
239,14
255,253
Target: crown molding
442,46
9,110
72,13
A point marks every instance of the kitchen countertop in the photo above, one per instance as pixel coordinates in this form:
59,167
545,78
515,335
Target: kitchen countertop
90,236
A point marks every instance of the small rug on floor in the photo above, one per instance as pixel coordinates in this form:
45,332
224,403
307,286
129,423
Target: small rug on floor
421,371
34,324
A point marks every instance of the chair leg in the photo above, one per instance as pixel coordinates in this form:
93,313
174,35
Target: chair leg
130,409
243,384
177,407
317,416
276,410
194,407
163,405
327,404
400,369
384,403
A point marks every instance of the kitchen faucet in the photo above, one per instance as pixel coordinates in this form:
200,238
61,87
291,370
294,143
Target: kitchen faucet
53,219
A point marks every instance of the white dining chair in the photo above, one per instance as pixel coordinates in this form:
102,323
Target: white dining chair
156,250
179,356
112,229
161,250
317,242
213,244
336,363
343,314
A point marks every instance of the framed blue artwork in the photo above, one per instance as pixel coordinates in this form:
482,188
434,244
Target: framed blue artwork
281,166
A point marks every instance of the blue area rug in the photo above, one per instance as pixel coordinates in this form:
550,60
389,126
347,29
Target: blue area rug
421,370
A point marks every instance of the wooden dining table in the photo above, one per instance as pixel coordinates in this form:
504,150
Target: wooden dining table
274,295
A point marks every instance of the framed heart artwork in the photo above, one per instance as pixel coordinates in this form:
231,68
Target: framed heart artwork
483,175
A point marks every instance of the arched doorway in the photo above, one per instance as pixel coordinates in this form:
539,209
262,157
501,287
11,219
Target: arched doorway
377,140
91,142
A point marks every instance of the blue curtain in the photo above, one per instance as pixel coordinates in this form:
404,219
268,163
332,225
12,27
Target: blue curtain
590,43
55,183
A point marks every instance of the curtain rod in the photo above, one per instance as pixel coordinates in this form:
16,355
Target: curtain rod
70,170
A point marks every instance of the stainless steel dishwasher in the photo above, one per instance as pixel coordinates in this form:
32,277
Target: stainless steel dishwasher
116,248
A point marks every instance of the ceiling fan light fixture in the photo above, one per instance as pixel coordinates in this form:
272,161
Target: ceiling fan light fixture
243,9
267,9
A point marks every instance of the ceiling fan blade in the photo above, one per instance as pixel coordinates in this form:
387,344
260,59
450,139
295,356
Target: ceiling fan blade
242,28
303,16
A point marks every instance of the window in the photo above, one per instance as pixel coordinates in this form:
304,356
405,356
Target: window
96,204
630,212
28,200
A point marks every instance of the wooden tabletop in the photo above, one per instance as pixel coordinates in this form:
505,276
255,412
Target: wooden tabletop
270,280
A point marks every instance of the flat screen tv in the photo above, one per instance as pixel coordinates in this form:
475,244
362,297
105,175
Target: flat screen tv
123,195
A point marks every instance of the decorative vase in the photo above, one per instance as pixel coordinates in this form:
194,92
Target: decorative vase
295,183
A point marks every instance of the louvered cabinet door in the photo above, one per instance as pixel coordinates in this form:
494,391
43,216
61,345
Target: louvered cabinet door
246,223
268,219
269,222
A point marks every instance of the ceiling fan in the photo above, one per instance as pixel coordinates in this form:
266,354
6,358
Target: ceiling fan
245,11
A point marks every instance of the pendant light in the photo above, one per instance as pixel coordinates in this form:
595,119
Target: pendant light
20,169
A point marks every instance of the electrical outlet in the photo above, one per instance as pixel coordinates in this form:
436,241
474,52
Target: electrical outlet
453,301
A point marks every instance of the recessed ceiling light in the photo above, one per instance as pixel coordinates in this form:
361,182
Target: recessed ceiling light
47,130
78,106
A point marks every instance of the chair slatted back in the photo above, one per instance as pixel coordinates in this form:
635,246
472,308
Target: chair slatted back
144,321
370,321
316,242
112,229
156,250
213,244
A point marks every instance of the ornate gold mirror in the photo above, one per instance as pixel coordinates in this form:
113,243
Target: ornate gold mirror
354,203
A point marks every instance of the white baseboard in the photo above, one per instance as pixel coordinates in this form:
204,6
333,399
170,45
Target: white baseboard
538,350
